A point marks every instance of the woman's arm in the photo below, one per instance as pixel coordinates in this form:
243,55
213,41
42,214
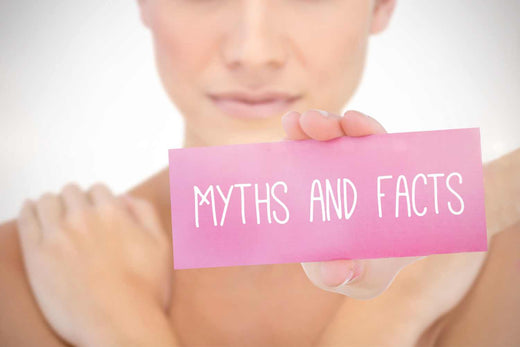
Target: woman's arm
21,321
490,312
489,315
422,305
502,192
99,266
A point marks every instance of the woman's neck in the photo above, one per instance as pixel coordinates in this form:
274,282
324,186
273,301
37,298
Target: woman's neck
192,140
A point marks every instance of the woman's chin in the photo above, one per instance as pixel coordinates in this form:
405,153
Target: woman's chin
250,137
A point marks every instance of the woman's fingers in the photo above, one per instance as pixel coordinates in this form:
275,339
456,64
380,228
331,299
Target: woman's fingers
28,226
340,272
292,127
321,125
312,124
145,214
74,200
50,211
355,123
360,279
102,197
100,194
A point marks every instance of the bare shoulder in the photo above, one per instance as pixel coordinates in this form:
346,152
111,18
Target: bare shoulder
489,314
21,322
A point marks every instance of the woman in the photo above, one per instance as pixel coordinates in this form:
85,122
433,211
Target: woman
98,267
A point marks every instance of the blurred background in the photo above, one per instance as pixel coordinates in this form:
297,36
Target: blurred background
80,99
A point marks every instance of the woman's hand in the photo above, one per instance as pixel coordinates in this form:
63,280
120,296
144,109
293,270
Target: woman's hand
360,279
99,266
425,290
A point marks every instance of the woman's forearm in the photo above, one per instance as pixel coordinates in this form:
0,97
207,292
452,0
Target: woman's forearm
502,192
146,327
489,314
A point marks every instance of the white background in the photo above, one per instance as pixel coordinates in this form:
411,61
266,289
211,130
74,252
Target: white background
80,99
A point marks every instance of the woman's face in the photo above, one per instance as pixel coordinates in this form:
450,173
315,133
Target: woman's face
234,67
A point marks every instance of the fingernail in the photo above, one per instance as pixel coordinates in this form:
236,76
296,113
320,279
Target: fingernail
338,273
348,112
354,272
323,113
348,277
289,112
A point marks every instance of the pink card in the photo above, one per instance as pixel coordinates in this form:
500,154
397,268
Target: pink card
377,196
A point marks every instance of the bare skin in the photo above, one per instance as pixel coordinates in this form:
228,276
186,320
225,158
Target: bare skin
277,304
264,301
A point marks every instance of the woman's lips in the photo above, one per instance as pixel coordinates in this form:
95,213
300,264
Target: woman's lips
258,109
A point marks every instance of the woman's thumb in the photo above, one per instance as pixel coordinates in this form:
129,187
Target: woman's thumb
356,278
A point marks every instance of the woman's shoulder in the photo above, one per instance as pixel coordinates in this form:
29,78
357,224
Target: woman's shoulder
489,314
156,190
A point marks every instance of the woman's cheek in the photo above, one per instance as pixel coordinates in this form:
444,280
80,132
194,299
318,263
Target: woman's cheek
175,49
181,59
334,65
349,63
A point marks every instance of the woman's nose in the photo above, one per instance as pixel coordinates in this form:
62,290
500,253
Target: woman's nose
255,42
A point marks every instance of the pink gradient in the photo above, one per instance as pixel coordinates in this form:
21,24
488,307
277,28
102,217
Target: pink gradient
297,163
